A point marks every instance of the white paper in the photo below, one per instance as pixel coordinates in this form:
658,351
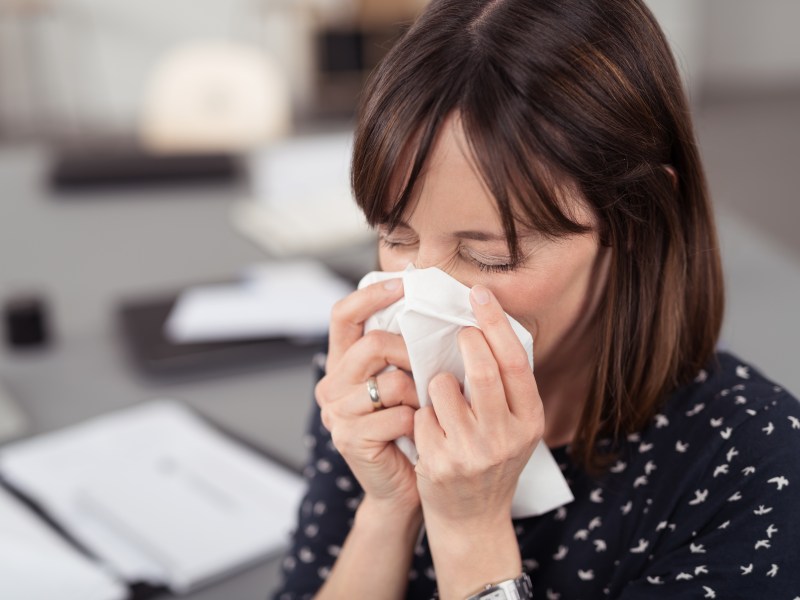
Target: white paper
435,307
158,494
37,564
302,202
280,299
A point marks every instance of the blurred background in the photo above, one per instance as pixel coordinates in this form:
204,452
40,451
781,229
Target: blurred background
153,147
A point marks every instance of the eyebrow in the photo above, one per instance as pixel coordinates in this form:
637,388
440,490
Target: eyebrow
479,236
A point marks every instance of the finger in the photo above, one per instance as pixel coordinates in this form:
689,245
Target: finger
348,315
372,353
428,434
395,388
487,395
379,428
449,404
512,360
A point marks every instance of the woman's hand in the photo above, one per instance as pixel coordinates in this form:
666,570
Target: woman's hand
363,436
470,457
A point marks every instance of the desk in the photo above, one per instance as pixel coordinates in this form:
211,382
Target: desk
88,253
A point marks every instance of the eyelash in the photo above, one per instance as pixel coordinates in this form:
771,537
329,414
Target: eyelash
483,267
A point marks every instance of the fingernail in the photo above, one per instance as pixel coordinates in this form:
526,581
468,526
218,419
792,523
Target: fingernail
480,294
392,284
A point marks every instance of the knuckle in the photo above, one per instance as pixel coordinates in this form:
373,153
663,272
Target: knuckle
340,310
484,375
517,365
321,391
374,341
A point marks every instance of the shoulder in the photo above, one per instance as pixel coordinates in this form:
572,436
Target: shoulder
727,400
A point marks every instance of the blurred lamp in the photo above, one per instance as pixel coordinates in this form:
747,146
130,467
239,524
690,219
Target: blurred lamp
214,97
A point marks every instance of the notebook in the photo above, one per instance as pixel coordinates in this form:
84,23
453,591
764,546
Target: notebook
157,494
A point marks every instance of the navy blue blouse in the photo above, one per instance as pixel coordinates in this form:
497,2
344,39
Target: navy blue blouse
700,504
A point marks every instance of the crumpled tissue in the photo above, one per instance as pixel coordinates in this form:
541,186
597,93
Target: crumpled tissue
435,307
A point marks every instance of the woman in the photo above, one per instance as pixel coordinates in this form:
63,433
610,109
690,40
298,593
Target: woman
541,153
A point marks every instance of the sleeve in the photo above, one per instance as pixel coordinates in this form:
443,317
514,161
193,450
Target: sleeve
743,541
324,518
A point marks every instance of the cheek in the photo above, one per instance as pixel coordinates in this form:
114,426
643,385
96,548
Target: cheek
392,260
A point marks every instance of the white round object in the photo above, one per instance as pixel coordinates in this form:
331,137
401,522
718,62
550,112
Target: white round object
214,96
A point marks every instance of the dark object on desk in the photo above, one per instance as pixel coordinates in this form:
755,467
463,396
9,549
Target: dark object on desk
25,320
142,325
76,169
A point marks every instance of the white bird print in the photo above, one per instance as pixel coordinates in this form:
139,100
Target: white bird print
721,470
634,437
585,575
530,564
701,376
699,497
626,508
770,530
640,481
696,409
795,422
749,470
618,467
561,514
562,552
773,571
751,412
581,534
762,510
661,526
781,482
740,400
701,569
596,495
724,525
709,592
716,422
640,547
600,546
551,595
746,570
683,576
726,433
731,453
649,467
661,421
735,497
762,544
769,428
697,548
595,523
654,580
681,447
645,447
743,372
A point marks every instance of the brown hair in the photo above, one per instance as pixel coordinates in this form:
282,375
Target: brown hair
578,91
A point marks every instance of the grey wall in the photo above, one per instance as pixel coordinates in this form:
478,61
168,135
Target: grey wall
84,62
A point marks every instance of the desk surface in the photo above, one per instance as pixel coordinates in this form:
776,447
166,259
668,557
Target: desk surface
86,254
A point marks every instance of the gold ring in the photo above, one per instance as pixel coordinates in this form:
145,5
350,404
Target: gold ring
374,396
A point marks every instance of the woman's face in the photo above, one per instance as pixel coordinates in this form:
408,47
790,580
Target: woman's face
454,225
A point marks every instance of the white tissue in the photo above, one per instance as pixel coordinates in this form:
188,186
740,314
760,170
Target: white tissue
435,307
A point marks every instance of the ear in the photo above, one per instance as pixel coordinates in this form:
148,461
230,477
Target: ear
673,175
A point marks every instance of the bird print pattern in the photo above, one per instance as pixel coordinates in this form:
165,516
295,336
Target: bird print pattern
699,504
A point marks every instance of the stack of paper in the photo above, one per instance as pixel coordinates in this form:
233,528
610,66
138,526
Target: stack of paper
157,494
37,564
302,203
290,298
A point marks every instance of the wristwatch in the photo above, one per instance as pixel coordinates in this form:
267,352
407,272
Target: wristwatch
519,588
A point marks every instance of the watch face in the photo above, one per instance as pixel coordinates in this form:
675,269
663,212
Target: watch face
495,595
